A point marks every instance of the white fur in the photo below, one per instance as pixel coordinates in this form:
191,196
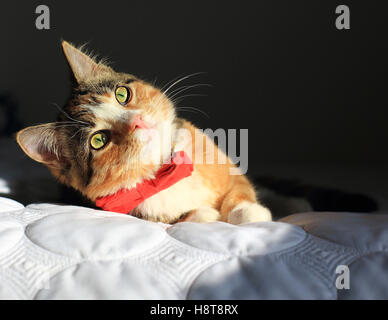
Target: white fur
111,112
246,212
186,195
203,215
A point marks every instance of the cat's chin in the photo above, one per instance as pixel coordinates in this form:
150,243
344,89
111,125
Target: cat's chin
143,134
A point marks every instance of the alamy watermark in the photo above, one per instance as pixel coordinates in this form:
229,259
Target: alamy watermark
42,21
342,21
199,145
343,280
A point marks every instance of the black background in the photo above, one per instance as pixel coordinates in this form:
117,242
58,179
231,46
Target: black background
307,92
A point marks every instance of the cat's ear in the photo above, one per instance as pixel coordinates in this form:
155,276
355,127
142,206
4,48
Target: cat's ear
83,66
41,144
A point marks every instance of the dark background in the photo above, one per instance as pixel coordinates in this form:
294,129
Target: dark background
314,98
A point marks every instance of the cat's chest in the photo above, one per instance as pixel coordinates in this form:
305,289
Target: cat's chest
186,195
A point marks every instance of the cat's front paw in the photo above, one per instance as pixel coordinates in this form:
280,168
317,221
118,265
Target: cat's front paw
203,215
246,212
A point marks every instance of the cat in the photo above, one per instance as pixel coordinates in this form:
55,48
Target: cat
97,147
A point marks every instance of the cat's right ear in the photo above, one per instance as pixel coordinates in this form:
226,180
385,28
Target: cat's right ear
40,143
82,66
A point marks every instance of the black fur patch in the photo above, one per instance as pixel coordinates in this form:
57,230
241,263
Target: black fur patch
90,172
320,198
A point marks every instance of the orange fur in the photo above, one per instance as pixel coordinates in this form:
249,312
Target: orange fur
210,193
227,190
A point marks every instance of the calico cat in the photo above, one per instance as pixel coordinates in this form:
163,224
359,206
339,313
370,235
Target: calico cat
98,145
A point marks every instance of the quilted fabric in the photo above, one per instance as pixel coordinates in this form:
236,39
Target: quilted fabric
67,252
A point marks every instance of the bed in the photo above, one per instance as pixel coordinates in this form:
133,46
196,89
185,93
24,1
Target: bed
50,251
61,251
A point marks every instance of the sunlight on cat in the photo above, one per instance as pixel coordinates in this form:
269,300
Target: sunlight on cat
117,132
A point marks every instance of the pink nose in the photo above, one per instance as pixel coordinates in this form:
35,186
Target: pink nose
137,123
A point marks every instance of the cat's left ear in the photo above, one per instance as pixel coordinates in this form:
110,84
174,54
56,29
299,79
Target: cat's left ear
41,144
83,67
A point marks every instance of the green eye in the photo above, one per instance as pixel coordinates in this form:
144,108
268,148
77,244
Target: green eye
122,95
99,140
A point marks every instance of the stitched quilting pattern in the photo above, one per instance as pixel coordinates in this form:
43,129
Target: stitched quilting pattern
67,252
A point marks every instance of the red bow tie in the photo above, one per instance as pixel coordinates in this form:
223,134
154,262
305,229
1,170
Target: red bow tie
125,200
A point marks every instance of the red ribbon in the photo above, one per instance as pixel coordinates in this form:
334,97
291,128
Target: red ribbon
125,200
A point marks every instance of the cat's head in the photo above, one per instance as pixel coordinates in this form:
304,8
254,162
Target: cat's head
98,142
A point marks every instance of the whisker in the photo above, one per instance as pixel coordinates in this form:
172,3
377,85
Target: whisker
182,79
154,81
178,99
178,77
174,93
67,122
67,125
76,133
169,82
193,109
185,88
60,123
66,115
162,90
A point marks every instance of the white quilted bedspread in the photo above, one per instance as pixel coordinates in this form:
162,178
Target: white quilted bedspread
66,252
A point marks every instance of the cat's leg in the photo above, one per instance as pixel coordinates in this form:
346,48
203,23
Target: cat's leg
246,212
240,205
202,214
